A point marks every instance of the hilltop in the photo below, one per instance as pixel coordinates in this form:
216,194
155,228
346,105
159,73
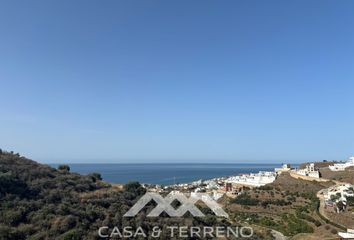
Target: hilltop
320,165
285,182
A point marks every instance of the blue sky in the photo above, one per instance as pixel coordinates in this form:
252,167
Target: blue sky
140,81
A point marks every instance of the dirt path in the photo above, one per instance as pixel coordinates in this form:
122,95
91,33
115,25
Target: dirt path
321,208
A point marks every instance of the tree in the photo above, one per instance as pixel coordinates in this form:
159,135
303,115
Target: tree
350,201
64,168
133,190
245,199
10,184
95,176
334,198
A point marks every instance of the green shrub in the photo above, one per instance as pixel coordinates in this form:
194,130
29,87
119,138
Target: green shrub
245,199
64,168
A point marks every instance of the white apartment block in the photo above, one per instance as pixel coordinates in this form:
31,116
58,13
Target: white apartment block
253,179
309,171
342,166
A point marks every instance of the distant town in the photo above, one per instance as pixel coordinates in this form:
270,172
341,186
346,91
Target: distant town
233,185
333,199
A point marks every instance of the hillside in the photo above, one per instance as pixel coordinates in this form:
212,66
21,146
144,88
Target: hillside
40,202
342,176
287,183
287,205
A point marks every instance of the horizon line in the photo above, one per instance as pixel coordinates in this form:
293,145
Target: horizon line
167,163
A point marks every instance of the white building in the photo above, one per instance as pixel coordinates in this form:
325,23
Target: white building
210,184
284,168
197,183
253,179
347,235
342,166
309,171
217,195
342,191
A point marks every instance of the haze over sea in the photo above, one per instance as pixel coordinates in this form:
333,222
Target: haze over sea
166,174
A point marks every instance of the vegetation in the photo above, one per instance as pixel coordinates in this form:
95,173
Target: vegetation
64,168
287,205
247,200
39,202
303,213
350,201
288,224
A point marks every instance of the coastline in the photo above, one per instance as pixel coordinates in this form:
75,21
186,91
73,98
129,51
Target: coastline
168,173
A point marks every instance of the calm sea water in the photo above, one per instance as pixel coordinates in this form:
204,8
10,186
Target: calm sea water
167,173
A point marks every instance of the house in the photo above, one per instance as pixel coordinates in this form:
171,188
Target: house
309,171
342,166
253,179
284,168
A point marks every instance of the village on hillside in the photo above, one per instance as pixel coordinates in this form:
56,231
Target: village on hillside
334,200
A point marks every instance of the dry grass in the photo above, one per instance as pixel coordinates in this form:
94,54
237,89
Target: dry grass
100,193
342,176
318,164
287,183
344,218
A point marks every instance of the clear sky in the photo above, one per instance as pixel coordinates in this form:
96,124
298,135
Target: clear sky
123,81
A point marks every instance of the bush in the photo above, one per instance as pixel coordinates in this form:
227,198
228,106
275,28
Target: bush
296,226
9,183
350,201
266,187
245,199
64,168
95,176
133,190
13,217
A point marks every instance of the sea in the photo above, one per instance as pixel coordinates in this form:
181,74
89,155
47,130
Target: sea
167,173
